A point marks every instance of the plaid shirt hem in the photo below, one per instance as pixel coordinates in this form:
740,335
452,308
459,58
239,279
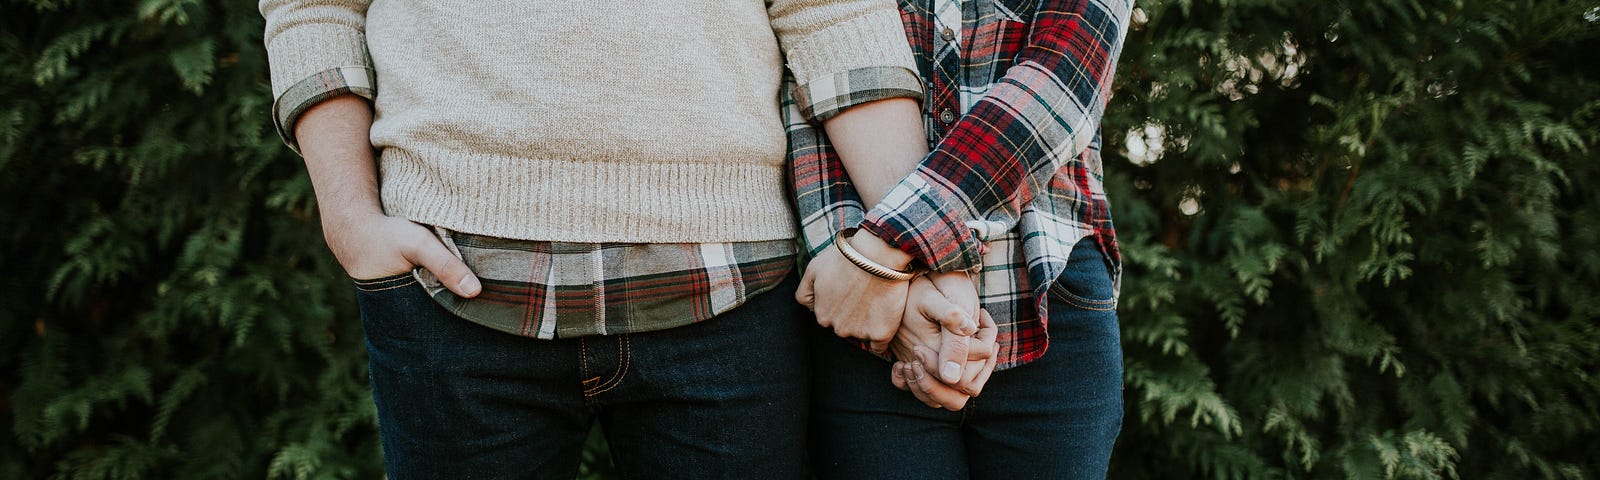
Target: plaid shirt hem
562,290
823,98
323,85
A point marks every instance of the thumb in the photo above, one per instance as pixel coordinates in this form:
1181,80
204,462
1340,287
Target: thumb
949,316
952,355
452,272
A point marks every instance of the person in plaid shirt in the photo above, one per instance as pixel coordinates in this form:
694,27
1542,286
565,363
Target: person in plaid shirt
1012,193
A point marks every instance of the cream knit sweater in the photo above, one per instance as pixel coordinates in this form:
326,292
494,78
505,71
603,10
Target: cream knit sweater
651,121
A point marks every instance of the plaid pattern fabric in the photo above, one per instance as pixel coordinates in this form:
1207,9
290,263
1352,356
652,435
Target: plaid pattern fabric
1016,89
563,290
823,98
324,85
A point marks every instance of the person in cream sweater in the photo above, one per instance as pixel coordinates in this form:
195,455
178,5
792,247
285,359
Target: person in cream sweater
557,213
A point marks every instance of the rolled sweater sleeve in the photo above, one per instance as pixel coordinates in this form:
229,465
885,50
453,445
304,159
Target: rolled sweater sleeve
317,50
844,53
998,156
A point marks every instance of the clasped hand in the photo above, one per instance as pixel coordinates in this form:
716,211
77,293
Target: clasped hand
942,341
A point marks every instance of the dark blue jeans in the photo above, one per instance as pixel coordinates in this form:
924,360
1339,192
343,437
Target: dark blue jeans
1054,418
724,398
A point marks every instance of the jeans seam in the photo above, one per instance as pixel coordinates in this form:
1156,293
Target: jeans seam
391,287
583,362
1076,302
1060,292
624,350
382,279
583,371
386,282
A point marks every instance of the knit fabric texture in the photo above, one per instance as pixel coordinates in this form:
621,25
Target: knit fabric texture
565,121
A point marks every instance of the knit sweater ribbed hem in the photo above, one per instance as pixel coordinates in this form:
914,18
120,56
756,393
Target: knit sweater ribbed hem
642,202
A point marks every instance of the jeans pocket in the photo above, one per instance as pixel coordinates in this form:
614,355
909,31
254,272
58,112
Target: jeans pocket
1086,282
391,306
390,282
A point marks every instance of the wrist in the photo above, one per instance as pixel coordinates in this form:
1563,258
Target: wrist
346,215
879,251
841,242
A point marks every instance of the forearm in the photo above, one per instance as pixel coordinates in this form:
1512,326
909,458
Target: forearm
858,49
334,139
338,154
879,143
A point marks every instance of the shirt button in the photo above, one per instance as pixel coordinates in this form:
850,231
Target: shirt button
948,34
947,116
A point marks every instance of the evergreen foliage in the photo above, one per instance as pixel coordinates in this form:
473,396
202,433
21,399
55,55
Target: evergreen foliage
1360,236
1367,248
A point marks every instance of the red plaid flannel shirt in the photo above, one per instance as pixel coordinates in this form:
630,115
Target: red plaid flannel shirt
1015,92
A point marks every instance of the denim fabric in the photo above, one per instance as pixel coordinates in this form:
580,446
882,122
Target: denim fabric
1054,418
717,399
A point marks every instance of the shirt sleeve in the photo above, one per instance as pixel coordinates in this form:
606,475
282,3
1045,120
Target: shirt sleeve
825,199
843,53
1041,115
317,50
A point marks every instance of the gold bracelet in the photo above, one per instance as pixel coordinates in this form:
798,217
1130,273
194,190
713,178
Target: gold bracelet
840,240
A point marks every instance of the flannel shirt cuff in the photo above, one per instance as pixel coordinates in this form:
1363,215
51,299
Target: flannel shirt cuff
816,234
825,97
320,86
927,217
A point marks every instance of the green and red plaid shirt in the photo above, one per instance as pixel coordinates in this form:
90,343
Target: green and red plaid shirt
1016,89
560,290
564,290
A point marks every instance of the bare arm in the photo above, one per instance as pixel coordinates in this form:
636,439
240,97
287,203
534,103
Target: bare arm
333,137
883,141
368,244
879,143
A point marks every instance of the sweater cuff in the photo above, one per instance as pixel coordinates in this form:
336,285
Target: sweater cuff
873,39
821,99
321,86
